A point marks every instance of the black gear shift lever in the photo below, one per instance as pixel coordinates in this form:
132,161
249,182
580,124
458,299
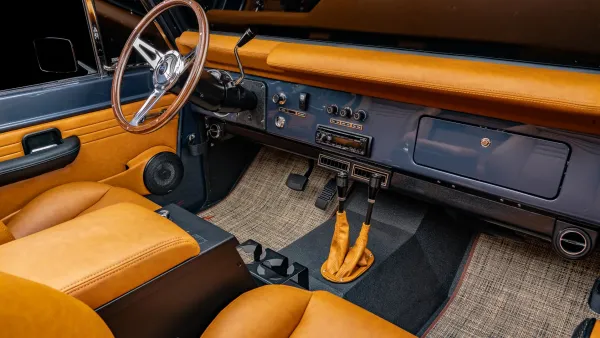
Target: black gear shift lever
342,189
374,187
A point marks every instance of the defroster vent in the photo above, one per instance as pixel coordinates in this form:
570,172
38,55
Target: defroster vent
333,163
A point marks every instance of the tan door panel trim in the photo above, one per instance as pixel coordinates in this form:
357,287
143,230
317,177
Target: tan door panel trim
546,97
106,153
133,177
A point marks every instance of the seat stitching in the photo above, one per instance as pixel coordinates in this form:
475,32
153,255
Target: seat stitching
134,257
126,259
85,283
100,278
302,317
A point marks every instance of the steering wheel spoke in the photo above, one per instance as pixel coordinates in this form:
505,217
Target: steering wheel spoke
151,101
167,67
149,53
188,59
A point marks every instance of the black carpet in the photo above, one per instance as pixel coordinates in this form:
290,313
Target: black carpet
417,251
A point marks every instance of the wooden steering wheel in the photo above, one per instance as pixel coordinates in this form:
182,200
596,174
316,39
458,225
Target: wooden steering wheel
166,67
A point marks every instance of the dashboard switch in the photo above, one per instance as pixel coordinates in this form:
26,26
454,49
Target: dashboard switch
346,112
279,98
332,110
280,122
359,115
303,101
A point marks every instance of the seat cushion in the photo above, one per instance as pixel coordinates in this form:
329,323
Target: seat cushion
277,311
30,309
68,201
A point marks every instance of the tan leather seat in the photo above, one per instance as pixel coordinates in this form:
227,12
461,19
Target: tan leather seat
30,309
64,203
277,311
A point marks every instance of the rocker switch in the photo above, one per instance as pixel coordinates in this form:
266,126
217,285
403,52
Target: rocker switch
303,101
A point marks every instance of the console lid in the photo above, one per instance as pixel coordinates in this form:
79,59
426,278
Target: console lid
101,255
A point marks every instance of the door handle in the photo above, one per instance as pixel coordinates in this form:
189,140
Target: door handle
39,161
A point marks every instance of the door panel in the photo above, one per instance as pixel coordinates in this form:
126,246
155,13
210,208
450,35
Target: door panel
107,151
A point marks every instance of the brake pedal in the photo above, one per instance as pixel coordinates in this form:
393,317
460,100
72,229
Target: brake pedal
327,194
298,182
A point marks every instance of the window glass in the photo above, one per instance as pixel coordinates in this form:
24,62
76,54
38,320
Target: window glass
117,19
565,33
63,49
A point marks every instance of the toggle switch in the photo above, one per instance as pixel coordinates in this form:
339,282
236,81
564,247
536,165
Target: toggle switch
303,101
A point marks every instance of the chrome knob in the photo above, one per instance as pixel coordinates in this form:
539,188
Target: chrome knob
359,115
280,122
346,112
333,109
280,98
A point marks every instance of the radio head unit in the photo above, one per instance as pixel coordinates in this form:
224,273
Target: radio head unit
342,140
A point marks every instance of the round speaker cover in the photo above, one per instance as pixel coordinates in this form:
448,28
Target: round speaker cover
163,173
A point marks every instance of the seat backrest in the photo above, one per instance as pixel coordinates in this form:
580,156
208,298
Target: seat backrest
29,309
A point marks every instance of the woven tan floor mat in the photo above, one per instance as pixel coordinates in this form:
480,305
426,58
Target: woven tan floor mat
261,207
518,289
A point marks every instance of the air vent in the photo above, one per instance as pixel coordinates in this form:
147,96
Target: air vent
363,173
333,163
572,243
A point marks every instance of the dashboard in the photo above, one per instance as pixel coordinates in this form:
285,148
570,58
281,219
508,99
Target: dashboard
533,171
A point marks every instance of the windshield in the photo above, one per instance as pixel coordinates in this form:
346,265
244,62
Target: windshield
564,33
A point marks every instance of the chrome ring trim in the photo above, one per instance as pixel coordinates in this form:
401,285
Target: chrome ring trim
569,231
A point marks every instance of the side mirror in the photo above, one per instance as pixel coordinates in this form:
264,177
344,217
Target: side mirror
55,55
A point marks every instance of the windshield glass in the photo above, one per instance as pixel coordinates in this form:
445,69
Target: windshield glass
564,33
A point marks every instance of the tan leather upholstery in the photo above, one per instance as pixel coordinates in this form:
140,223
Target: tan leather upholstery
105,151
133,177
68,201
358,260
277,311
339,245
5,235
29,309
535,95
343,265
100,255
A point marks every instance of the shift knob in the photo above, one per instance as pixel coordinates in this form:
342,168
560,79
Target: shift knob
246,37
342,184
374,186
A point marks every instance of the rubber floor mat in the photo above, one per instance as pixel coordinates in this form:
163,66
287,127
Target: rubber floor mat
261,207
517,289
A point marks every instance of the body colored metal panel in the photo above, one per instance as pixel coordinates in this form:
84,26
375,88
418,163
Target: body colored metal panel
393,126
523,163
49,102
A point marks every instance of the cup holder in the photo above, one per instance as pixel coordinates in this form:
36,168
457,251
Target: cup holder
271,267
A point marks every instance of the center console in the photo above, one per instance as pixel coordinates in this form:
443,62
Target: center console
147,274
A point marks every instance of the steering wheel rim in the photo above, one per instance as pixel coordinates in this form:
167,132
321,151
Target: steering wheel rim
167,68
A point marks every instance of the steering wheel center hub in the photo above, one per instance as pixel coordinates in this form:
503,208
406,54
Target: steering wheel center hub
169,68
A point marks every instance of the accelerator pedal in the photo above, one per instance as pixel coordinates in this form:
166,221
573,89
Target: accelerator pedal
326,195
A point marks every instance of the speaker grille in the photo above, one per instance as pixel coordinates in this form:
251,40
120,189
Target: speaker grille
163,173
